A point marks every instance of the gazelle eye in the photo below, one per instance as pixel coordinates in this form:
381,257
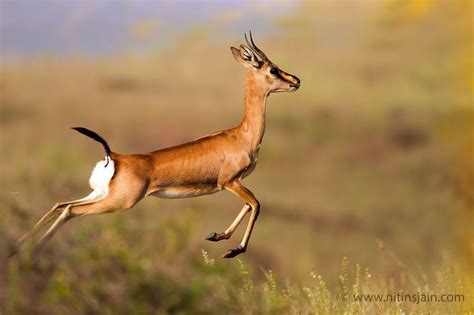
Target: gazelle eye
274,71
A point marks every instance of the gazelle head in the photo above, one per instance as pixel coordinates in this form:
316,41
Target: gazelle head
266,73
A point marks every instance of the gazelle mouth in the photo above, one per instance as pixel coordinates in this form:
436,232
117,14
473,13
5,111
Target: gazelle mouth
294,87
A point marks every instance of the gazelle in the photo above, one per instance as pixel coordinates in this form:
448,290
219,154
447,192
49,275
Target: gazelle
204,166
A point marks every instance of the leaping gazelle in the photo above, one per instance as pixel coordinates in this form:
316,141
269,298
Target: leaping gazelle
204,166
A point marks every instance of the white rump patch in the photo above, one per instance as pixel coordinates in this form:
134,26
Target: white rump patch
100,178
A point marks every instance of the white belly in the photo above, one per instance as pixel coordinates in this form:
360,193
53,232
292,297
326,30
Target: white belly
184,192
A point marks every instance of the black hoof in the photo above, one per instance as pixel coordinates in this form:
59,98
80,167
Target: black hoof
234,252
212,237
216,237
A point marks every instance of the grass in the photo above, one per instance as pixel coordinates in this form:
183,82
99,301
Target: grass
145,286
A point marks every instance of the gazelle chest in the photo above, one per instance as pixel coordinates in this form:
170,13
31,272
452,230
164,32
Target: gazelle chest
253,157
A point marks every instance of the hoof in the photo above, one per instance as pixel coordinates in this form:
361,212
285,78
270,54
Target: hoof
214,237
234,252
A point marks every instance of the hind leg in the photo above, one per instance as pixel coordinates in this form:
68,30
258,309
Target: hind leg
123,191
102,205
63,218
54,212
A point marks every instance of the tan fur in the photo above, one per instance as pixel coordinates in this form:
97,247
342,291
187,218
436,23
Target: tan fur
204,166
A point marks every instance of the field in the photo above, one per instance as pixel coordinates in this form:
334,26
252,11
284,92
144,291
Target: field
365,174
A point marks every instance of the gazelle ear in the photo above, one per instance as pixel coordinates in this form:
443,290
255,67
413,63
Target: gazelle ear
245,57
237,56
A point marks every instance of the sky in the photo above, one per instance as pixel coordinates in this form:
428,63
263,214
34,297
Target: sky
68,27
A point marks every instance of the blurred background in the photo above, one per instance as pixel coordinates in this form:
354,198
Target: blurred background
372,159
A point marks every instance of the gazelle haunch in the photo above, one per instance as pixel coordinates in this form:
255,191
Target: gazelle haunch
205,166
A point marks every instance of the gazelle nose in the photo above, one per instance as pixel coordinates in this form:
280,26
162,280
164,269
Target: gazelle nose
296,84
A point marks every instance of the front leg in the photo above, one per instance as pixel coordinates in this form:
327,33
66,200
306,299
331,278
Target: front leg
245,194
215,237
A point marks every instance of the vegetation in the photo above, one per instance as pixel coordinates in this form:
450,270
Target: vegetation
371,160
217,287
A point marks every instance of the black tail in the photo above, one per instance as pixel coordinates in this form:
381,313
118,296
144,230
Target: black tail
96,137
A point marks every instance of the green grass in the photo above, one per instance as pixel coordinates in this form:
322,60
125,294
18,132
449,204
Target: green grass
123,282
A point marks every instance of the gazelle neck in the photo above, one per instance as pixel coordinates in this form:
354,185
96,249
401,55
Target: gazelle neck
252,126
